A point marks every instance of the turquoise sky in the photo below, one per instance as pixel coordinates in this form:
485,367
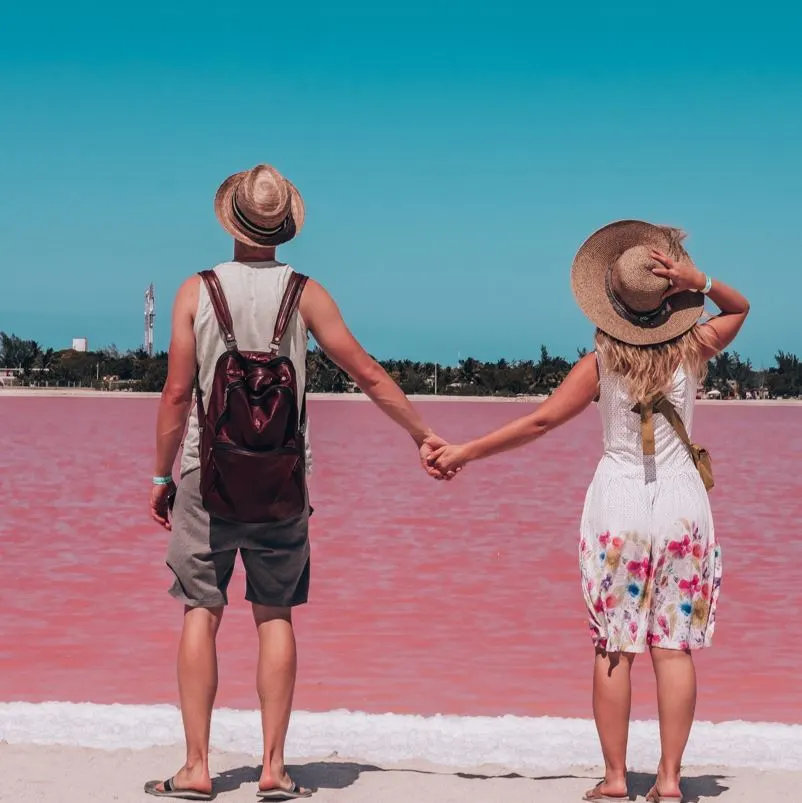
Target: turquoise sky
452,160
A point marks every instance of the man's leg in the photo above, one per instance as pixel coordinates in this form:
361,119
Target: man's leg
201,555
197,687
275,682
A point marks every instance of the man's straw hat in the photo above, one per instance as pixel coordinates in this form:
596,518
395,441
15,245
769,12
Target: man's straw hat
259,207
614,285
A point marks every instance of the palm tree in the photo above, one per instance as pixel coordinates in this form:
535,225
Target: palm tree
549,371
742,374
469,370
18,353
786,378
721,372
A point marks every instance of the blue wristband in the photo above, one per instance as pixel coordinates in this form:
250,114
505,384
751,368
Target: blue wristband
163,480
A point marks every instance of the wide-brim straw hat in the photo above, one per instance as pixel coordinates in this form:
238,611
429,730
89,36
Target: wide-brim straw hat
260,207
615,287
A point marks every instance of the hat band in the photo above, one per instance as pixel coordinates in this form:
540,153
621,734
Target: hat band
646,319
255,228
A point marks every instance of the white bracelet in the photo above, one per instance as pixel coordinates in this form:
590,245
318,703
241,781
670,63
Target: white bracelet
706,289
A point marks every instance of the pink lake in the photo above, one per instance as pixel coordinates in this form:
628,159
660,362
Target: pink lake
427,597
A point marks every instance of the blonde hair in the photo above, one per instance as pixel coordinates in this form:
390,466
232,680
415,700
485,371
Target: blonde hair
649,370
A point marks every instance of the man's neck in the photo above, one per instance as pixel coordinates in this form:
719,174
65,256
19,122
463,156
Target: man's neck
250,253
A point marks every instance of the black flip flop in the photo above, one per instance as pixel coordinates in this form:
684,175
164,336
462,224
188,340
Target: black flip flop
293,793
170,790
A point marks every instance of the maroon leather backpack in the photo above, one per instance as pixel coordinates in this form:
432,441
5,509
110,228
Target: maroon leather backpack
252,449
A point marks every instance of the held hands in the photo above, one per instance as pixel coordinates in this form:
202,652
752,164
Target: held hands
441,460
432,446
449,459
682,275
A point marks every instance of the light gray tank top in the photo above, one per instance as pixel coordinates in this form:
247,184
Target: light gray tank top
254,291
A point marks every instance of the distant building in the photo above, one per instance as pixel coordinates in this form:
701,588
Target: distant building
80,344
9,376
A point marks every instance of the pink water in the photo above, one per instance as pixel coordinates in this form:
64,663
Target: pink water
426,597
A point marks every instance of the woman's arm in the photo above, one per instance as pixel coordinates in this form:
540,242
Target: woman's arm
575,393
721,330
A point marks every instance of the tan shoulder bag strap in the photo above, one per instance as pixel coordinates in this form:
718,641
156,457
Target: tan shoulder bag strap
701,457
669,412
663,406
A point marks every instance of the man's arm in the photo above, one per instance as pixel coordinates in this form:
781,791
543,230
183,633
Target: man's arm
176,398
324,321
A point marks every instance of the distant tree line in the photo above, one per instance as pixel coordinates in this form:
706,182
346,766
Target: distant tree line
27,362
469,378
108,368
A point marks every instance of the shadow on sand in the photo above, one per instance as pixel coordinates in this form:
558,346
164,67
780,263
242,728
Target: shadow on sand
694,787
342,774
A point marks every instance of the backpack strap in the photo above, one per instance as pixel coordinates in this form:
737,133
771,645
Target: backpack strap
289,304
302,422
220,306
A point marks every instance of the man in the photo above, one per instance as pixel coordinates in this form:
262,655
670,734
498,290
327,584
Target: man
261,210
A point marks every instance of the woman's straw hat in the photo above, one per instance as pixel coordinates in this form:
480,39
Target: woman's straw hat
614,285
259,207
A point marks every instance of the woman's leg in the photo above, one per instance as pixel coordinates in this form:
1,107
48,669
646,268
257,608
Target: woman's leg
686,577
612,698
676,704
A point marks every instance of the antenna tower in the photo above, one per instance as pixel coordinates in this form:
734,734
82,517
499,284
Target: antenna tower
150,314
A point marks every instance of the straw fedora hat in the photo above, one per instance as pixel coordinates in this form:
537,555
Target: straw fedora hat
259,207
614,285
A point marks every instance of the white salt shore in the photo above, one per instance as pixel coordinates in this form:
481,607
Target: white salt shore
86,752
31,774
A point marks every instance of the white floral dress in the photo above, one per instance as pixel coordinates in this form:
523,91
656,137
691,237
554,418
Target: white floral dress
651,567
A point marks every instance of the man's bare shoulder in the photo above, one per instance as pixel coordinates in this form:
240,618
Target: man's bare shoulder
315,292
186,299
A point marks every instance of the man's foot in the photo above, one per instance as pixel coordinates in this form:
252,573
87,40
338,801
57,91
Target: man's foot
189,783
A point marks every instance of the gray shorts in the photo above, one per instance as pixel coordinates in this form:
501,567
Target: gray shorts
203,550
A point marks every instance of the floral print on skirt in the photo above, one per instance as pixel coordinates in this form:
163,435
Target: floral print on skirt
650,564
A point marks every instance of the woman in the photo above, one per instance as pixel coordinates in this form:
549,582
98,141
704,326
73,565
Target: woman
650,564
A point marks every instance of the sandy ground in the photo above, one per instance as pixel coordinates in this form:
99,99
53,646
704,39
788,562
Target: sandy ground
31,774
359,397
